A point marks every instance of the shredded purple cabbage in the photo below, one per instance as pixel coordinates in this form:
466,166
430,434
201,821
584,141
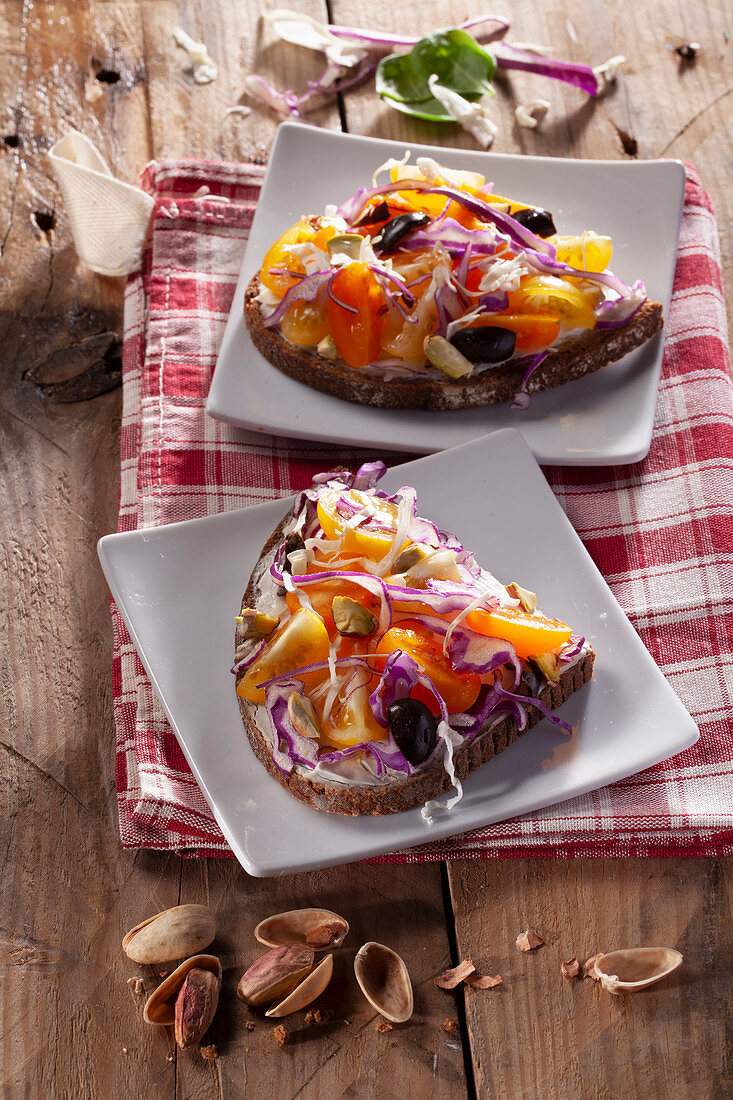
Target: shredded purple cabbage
512,57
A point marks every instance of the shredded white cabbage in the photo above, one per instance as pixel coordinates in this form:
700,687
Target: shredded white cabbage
302,30
473,117
530,115
433,805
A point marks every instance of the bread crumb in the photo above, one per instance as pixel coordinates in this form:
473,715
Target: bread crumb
282,1035
450,1025
589,970
449,979
570,968
529,939
382,1025
209,1053
318,1016
249,1025
479,982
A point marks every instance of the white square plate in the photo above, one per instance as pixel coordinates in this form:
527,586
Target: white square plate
179,588
603,419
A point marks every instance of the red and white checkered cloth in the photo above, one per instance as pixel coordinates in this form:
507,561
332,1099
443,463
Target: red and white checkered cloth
661,531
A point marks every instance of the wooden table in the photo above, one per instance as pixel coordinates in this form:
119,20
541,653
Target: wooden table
71,1024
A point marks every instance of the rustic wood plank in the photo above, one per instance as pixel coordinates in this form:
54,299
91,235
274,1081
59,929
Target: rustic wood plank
539,1035
397,905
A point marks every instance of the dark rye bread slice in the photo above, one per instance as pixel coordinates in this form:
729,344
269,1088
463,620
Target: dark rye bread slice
492,386
401,795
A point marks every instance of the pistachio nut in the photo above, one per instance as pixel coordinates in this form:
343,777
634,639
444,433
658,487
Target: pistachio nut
160,1007
195,1006
352,619
275,974
408,557
527,599
548,664
173,934
447,358
345,244
303,716
326,348
254,624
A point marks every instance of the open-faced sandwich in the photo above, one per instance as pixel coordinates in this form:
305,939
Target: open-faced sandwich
430,291
377,663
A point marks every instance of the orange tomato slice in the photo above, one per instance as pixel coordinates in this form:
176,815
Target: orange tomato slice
357,329
321,598
458,689
533,330
529,634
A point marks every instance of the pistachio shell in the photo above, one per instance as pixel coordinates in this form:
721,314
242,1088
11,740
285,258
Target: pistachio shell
275,974
160,1007
173,934
311,987
318,929
384,981
633,969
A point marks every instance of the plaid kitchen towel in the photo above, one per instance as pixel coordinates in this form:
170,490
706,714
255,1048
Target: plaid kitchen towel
661,531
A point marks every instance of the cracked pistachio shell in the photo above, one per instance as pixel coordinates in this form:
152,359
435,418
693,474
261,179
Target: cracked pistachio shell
173,934
318,929
160,1007
635,968
311,987
384,981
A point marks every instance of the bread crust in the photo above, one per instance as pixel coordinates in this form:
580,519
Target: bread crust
401,795
587,354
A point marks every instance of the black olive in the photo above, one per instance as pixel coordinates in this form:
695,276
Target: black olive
537,221
414,729
378,213
292,542
485,344
393,232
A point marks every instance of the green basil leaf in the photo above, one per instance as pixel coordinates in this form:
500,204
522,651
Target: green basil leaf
454,56
457,60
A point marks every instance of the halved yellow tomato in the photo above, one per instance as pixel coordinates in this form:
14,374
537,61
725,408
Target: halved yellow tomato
529,634
354,720
587,252
458,689
373,537
549,294
278,261
302,640
305,323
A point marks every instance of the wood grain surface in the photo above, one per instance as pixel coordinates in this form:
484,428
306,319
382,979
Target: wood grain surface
70,1022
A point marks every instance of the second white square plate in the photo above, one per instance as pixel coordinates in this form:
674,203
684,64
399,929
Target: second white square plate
603,419
179,588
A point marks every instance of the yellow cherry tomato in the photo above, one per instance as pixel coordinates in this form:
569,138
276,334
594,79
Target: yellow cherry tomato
458,689
354,720
302,640
305,323
279,261
548,294
587,252
529,634
373,536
